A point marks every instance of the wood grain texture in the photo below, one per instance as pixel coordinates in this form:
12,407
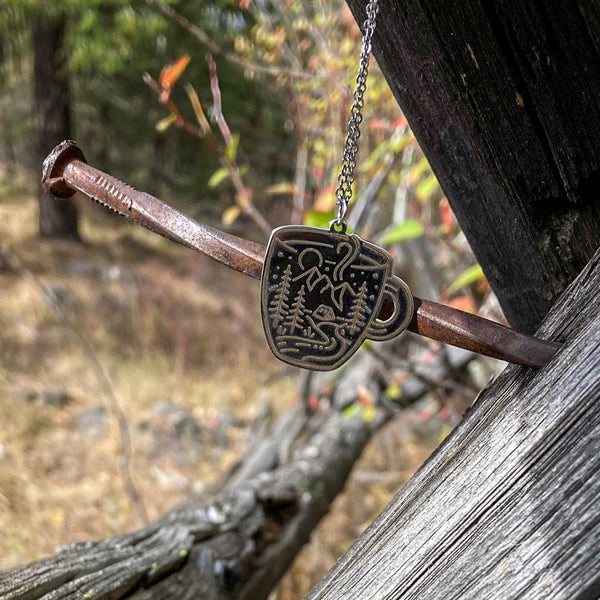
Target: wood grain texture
508,506
504,99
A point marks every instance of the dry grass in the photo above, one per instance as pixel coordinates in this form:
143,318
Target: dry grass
164,323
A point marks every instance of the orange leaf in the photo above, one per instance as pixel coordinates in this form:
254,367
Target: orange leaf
170,74
377,124
244,4
364,397
305,44
325,200
400,123
447,215
465,303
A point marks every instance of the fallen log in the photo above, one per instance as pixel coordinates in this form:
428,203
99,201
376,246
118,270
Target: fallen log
240,545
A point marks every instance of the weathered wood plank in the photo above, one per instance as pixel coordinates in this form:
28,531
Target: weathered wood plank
504,100
508,506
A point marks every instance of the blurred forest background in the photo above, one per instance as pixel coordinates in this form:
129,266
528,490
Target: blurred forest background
134,373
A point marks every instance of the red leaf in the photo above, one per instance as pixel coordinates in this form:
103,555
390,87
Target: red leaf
313,402
447,215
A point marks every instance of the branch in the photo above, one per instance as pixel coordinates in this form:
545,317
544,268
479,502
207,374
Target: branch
209,140
173,15
243,196
241,544
103,381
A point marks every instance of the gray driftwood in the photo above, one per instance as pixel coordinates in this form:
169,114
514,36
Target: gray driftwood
503,98
509,505
240,545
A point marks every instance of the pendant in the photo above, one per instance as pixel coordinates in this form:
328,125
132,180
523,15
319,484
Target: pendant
322,293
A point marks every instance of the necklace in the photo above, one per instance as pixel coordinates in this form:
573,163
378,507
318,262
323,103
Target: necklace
323,292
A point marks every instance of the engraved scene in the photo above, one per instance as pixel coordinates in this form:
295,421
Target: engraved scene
320,293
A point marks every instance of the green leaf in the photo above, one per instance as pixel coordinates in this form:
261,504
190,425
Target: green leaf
197,106
352,410
231,150
466,278
318,218
426,188
165,123
394,391
366,413
398,144
218,177
376,155
285,187
230,215
405,231
419,169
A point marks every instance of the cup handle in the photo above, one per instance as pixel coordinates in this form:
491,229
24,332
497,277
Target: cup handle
399,294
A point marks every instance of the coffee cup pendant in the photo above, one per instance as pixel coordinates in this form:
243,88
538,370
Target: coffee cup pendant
322,293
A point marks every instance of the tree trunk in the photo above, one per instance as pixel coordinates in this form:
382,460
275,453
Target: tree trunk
52,97
507,507
504,99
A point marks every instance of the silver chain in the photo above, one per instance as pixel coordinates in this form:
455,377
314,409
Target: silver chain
343,193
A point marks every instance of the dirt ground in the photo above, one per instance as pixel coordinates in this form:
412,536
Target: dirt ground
179,340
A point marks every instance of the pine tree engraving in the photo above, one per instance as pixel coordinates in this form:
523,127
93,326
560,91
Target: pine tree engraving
359,312
295,318
278,306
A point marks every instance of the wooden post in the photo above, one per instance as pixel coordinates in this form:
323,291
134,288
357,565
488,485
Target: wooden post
503,97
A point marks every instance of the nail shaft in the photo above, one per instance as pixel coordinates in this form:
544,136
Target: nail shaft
66,171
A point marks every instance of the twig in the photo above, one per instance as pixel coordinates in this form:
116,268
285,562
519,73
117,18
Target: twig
445,384
217,105
360,213
103,382
243,197
208,138
299,183
193,29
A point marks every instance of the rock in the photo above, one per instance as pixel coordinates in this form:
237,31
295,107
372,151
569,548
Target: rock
173,430
93,420
176,420
219,426
8,262
79,267
54,397
165,407
230,420
59,294
218,433
111,273
169,479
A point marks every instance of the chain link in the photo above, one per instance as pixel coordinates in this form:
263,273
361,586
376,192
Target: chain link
343,192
